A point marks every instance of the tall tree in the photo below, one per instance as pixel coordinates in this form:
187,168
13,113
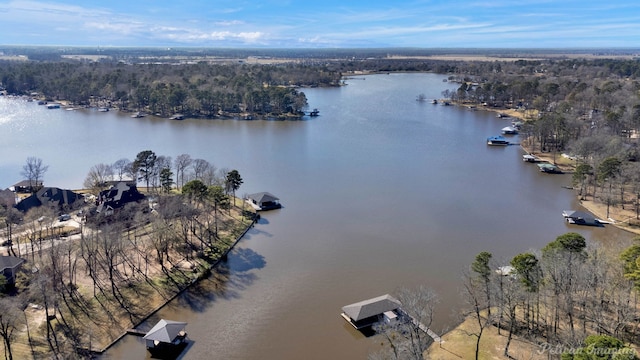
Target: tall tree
631,261
11,319
579,176
608,170
144,166
234,180
195,190
473,289
33,171
121,168
166,179
200,167
220,200
97,177
162,162
180,164
562,258
481,267
528,271
12,216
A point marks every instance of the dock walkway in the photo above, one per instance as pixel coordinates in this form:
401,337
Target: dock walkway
424,328
136,332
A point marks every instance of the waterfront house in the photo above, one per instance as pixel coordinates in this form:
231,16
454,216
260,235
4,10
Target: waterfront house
120,193
27,186
165,337
9,266
263,201
366,313
62,199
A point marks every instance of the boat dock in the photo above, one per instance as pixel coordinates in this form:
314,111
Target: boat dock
136,332
382,309
423,327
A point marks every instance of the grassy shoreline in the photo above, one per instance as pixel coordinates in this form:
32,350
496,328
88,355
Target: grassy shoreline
203,273
96,320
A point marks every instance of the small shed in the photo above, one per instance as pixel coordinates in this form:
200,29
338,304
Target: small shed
166,333
263,201
368,312
9,266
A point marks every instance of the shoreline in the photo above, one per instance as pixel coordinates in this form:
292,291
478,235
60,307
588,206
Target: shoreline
206,272
623,219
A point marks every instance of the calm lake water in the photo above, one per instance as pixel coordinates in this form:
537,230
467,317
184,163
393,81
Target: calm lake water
380,191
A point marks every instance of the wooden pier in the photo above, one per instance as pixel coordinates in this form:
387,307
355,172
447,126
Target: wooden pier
136,332
423,327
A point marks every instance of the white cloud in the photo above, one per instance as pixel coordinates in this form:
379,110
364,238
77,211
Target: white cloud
194,35
229,22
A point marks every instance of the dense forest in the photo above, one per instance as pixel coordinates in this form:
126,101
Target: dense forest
195,90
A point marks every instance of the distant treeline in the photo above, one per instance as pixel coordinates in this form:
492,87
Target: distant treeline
193,89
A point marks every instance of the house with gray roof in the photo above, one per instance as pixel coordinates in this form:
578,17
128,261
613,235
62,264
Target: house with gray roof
263,201
27,186
165,337
9,266
118,195
50,196
368,312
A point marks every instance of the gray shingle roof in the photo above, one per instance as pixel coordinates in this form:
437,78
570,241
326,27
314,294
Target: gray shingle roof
262,197
367,308
165,331
7,262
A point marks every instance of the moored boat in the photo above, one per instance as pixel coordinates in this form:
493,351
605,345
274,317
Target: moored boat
509,130
549,168
497,141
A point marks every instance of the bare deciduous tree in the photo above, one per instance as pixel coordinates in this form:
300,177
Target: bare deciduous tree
11,319
33,171
181,164
408,339
98,177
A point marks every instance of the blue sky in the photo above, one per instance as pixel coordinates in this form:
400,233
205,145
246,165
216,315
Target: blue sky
323,23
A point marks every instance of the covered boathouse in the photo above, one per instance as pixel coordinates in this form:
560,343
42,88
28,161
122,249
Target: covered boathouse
580,218
263,201
366,313
166,338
